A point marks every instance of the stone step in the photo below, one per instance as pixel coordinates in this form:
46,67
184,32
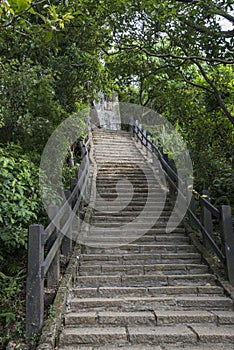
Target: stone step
169,302
202,346
166,209
116,242
112,218
110,292
113,181
155,203
131,213
173,269
153,347
122,186
140,231
103,160
144,280
132,195
120,335
136,226
146,318
150,335
141,177
122,166
127,238
146,258
137,248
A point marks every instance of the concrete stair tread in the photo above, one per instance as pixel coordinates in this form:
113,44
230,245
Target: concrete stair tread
156,317
142,269
132,231
135,335
106,257
172,302
152,238
209,334
219,346
144,291
108,239
109,248
145,280
148,335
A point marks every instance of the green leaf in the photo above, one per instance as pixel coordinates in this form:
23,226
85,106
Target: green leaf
19,5
48,36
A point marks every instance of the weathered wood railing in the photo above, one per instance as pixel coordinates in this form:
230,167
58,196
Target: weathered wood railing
45,245
225,250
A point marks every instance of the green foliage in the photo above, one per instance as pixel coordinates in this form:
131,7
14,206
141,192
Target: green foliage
12,306
20,202
28,107
172,56
20,206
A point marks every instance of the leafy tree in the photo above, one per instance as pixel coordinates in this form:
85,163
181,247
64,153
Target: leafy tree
178,32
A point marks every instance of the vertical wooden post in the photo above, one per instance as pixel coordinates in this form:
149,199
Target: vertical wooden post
149,146
161,150
192,204
155,156
206,218
131,125
53,273
144,138
67,240
165,157
136,129
82,148
228,235
140,135
35,283
73,183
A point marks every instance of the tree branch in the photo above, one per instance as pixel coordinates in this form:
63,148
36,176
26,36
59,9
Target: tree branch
194,84
217,10
205,30
216,92
170,55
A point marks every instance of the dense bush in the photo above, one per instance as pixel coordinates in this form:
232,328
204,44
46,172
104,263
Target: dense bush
20,206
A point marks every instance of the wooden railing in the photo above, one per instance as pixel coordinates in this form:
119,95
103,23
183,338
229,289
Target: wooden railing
224,249
45,245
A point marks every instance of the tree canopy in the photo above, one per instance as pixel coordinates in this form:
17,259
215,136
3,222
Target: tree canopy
174,56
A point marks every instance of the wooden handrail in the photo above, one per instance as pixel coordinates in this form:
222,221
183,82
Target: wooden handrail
57,235
223,215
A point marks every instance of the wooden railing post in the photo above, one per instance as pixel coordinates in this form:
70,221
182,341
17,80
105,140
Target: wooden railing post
67,240
190,196
228,236
53,273
73,183
206,218
131,125
136,129
144,139
35,283
149,148
139,134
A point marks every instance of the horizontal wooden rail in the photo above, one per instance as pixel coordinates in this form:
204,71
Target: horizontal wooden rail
46,244
225,253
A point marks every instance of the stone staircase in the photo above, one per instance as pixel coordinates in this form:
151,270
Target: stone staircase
138,287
